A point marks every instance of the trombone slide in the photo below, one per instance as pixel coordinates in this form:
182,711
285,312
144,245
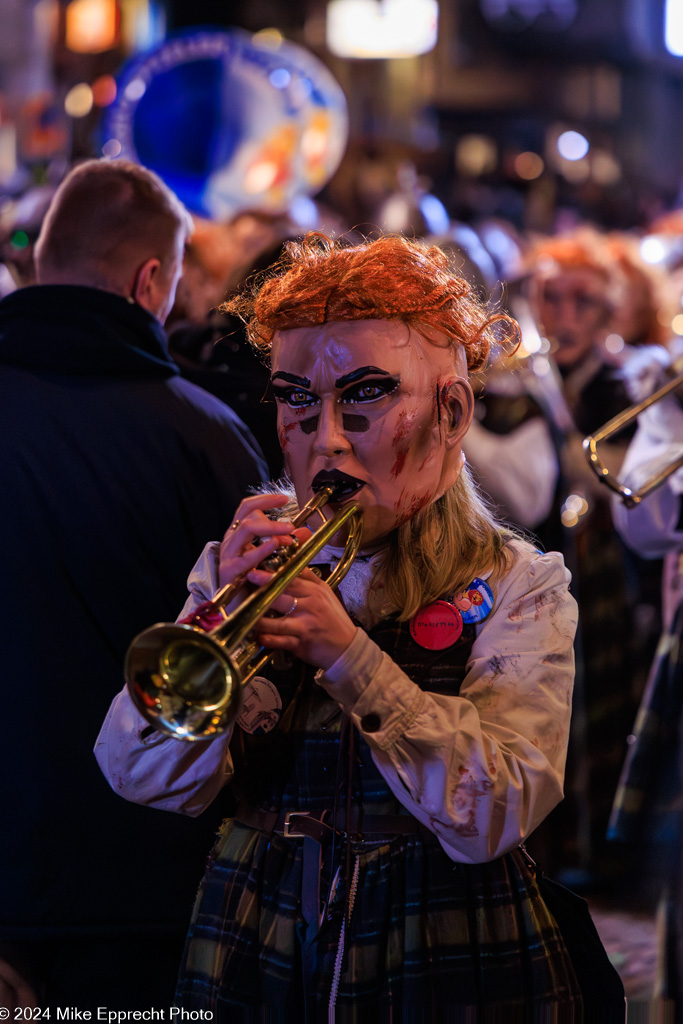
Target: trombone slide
616,425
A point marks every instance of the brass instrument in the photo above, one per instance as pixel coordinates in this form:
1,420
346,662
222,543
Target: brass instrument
188,682
615,426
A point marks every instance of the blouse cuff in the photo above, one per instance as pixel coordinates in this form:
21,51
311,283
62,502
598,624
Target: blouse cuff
347,678
380,699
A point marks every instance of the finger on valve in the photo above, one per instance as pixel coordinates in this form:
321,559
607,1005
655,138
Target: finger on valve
252,511
267,553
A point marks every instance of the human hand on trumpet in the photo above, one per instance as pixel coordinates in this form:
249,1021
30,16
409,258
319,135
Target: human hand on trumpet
186,678
311,622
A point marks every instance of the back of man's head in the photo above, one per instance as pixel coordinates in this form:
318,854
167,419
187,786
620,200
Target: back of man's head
109,218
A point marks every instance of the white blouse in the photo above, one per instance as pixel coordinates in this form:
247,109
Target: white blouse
481,769
651,527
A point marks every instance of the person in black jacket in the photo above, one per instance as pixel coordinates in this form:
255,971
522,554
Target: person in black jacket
113,471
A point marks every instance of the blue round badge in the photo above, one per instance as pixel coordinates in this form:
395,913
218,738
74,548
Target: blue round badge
476,601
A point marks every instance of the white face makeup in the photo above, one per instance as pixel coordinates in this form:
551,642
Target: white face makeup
375,402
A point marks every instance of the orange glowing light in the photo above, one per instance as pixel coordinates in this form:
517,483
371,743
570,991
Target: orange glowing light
529,165
261,176
104,90
273,164
91,25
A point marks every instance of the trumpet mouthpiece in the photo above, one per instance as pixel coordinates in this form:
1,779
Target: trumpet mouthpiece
342,485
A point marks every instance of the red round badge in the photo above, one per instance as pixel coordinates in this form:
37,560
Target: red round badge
436,626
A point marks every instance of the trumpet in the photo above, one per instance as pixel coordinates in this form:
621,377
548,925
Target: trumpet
614,426
188,682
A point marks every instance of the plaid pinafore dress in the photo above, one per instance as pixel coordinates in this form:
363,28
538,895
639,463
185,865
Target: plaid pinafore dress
404,933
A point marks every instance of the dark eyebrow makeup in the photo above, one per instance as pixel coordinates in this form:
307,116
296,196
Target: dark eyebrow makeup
362,371
291,378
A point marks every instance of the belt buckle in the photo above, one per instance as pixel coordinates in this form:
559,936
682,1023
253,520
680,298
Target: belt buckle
290,832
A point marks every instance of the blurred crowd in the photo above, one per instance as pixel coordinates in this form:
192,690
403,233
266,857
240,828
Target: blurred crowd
602,325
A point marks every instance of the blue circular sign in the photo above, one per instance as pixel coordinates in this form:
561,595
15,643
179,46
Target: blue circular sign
230,121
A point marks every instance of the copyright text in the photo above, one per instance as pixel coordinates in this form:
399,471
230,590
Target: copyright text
173,1014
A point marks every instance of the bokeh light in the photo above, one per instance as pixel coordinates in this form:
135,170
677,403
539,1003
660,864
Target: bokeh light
393,28
280,78
19,240
268,39
652,249
91,26
673,27
605,168
111,148
135,89
528,166
573,508
572,145
614,343
576,171
78,102
476,155
104,90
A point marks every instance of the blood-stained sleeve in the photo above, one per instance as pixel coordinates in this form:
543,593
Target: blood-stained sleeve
146,767
483,768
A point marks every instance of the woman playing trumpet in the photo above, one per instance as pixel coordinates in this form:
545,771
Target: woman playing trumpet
414,732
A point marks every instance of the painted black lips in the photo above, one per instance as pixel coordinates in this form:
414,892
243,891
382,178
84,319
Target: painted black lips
345,486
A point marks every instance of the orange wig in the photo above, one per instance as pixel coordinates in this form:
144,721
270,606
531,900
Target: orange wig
391,278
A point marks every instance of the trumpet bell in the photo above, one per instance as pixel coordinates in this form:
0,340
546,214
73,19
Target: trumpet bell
182,681
188,683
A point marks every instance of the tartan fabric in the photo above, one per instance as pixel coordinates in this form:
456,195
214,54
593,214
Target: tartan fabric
425,934
426,937
648,806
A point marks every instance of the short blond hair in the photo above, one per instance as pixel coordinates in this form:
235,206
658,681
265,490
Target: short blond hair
105,213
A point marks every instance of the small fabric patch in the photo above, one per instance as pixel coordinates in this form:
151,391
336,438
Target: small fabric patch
261,707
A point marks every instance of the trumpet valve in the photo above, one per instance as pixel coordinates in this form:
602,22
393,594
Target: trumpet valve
280,556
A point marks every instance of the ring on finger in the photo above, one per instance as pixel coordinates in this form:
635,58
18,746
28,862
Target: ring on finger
289,612
235,524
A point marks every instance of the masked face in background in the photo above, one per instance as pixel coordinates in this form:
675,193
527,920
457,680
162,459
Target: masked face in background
375,407
574,311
